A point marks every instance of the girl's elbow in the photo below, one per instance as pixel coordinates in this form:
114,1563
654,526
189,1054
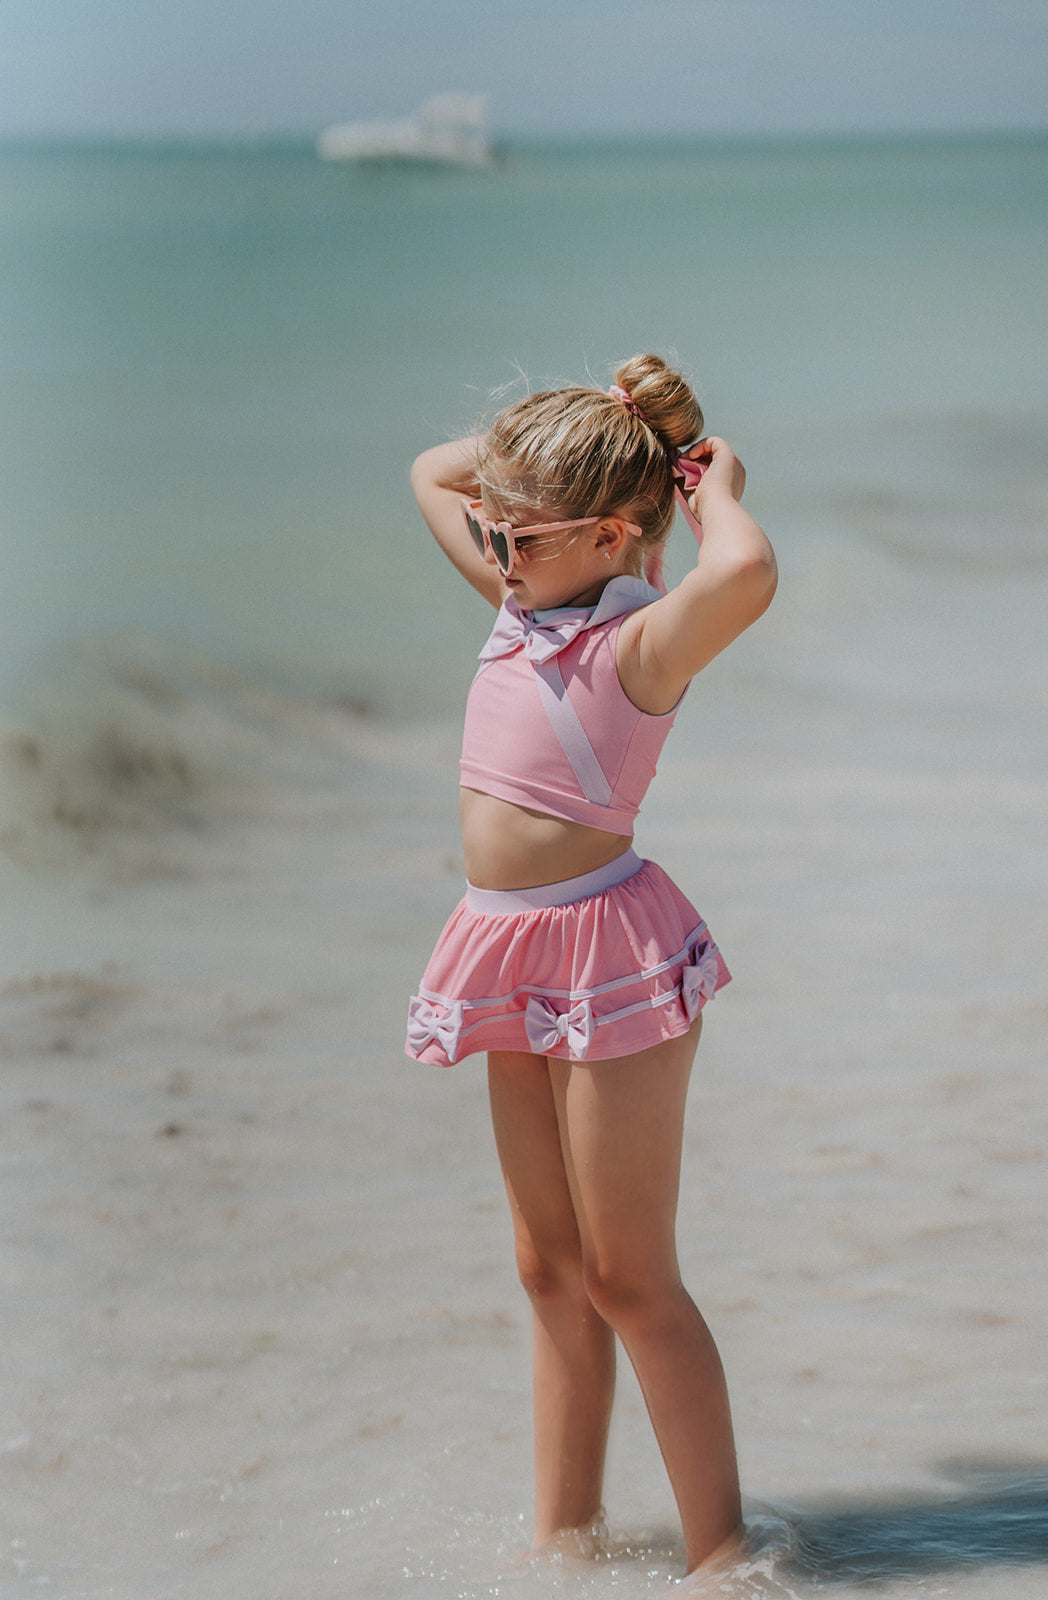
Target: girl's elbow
421,471
425,484
770,571
757,578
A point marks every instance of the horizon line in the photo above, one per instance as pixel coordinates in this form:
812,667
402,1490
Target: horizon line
247,139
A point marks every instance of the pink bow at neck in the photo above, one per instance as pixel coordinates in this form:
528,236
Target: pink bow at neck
544,636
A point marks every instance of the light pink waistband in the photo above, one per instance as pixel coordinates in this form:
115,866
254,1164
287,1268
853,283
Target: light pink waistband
508,902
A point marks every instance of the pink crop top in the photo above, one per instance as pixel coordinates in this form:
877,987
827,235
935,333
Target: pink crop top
549,726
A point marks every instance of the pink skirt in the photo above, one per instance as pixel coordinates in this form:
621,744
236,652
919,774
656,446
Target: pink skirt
585,970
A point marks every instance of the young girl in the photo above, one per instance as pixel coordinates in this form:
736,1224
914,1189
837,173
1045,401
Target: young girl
580,969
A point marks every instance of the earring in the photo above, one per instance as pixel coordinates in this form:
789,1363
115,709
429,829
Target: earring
607,555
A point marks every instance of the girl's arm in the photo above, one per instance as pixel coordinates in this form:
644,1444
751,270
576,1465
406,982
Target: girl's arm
664,645
440,478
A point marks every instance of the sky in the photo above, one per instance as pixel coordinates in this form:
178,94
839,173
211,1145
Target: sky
269,67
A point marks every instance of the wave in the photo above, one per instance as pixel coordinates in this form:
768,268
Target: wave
120,749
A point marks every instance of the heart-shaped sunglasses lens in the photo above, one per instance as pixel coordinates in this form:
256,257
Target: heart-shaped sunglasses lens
500,548
476,532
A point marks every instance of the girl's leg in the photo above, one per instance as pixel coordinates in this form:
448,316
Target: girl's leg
622,1123
574,1349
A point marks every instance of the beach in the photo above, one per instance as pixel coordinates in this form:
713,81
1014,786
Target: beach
263,1333
265,1319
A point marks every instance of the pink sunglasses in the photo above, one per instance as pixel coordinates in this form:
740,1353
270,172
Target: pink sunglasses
501,537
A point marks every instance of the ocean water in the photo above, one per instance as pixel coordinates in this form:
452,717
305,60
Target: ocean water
262,1331
216,367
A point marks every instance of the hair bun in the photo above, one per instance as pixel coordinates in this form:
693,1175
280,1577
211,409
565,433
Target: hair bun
666,399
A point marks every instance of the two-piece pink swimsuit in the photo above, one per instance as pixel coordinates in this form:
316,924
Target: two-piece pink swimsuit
589,968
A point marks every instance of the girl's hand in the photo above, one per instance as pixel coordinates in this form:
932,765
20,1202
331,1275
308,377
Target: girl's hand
724,472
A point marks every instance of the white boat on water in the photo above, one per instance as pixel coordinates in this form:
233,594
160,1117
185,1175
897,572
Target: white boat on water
448,130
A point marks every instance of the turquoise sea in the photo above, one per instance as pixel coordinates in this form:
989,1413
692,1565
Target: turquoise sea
217,364
262,1330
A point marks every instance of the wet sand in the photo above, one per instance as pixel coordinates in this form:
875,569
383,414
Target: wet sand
262,1332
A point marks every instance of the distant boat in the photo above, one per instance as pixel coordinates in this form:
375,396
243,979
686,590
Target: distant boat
448,130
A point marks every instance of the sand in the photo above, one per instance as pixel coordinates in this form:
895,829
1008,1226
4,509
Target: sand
262,1335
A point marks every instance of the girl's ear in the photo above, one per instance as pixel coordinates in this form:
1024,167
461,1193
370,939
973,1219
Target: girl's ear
612,535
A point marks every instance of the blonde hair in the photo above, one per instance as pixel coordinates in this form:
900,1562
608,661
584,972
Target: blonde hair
579,452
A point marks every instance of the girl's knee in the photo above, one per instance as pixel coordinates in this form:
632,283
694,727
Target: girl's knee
622,1294
548,1276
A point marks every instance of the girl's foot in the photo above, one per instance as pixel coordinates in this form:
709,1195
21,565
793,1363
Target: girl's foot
742,1568
574,1544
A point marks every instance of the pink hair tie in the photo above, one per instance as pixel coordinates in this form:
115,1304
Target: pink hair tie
628,401
686,471
686,475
